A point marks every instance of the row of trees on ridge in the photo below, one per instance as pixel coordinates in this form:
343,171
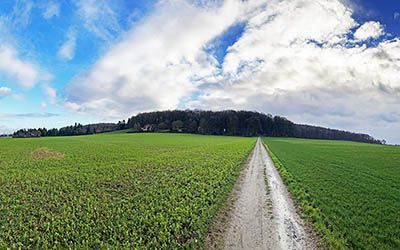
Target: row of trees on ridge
228,122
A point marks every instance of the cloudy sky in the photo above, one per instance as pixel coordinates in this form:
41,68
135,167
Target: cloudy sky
333,63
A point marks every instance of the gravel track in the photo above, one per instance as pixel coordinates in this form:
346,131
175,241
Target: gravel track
263,215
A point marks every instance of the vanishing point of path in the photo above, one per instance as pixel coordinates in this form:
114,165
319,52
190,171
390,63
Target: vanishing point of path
263,215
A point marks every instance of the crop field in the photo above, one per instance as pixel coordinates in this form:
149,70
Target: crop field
351,191
115,190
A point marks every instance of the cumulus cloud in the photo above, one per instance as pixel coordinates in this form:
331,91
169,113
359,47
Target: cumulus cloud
22,72
51,9
67,50
153,68
306,71
369,30
16,67
295,58
4,91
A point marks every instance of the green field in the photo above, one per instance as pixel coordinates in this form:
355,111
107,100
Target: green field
115,190
351,191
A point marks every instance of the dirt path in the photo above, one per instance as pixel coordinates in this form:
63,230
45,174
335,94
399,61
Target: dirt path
263,215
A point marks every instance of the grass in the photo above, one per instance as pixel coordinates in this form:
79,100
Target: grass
122,131
350,191
132,191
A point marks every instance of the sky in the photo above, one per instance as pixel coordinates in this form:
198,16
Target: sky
332,63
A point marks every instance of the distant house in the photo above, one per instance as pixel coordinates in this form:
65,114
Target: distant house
148,128
27,133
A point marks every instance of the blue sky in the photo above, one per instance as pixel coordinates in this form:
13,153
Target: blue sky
329,63
36,30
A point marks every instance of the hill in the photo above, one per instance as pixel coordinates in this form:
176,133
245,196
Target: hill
228,122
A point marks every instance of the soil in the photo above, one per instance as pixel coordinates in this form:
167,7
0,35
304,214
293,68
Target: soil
260,214
45,153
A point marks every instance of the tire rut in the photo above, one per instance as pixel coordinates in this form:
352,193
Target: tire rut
263,215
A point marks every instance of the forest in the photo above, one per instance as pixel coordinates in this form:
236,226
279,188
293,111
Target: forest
228,122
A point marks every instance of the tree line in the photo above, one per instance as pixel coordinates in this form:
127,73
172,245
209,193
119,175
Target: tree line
77,129
228,122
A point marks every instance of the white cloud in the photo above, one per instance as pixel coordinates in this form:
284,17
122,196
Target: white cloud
292,63
396,15
72,106
295,58
20,16
51,9
50,92
289,24
22,72
18,97
369,30
153,68
5,130
16,67
67,50
4,91
99,18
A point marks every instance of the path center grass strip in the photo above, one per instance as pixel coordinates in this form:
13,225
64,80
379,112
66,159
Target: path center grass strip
117,190
351,191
